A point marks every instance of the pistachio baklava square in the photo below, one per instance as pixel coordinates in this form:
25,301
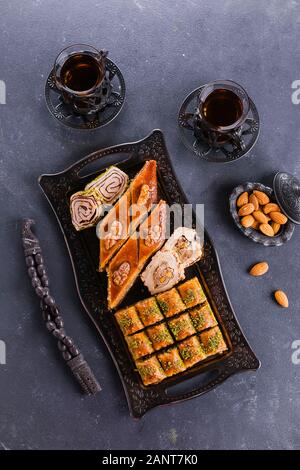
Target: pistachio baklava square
150,370
181,326
128,320
213,342
191,293
149,311
170,302
139,345
202,317
191,351
171,362
160,336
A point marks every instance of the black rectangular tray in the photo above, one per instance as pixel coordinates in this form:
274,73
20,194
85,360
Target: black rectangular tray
92,286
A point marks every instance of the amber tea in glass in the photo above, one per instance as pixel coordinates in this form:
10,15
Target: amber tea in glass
223,107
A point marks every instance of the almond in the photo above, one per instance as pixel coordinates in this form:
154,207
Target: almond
266,229
260,217
255,224
246,209
281,298
278,217
259,269
262,197
271,207
247,221
242,199
253,199
276,227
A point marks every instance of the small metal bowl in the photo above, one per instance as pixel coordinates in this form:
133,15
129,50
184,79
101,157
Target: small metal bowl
286,230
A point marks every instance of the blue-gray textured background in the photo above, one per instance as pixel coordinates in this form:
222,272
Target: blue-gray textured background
165,48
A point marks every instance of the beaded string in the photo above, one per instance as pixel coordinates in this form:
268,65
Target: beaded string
51,313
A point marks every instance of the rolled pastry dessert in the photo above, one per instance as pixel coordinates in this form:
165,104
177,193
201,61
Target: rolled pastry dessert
186,243
110,185
86,209
163,272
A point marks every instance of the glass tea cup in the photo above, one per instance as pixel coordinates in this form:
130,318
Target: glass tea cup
79,74
222,109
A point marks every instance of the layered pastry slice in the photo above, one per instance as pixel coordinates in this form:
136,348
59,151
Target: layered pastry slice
163,272
128,320
202,317
191,351
170,302
131,258
143,193
150,370
160,336
213,342
149,311
171,362
182,326
85,208
128,212
191,293
139,345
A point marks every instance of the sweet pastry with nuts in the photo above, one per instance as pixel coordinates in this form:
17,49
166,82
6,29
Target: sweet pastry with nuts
202,317
170,302
160,336
163,272
182,326
186,243
171,362
150,370
128,320
191,351
110,185
149,311
127,212
85,208
139,345
191,293
212,341
125,267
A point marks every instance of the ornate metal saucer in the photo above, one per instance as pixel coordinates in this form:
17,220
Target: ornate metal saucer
284,234
229,152
287,193
65,115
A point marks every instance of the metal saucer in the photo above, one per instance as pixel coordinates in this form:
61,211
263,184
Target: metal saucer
65,115
227,153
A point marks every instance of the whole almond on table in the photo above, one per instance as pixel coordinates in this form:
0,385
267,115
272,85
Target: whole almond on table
260,217
271,207
276,227
253,199
247,221
259,269
281,298
263,198
278,217
246,209
242,199
267,230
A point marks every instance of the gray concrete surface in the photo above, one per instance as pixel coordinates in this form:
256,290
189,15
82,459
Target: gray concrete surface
165,48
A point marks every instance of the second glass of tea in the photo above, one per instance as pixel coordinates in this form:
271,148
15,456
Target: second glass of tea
222,109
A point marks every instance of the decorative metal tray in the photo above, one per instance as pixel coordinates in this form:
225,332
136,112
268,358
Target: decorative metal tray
84,251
